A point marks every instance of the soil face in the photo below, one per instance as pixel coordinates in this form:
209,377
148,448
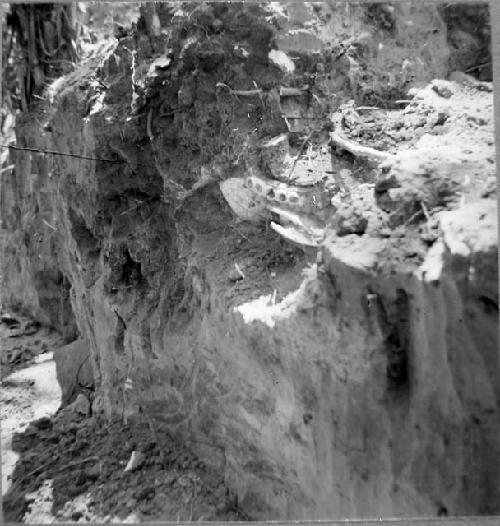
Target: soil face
324,340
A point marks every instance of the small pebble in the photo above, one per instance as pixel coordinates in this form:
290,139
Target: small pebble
234,275
442,88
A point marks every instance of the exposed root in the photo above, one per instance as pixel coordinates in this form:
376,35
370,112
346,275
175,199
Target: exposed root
363,152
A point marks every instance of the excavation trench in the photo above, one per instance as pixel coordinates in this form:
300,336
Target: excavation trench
281,278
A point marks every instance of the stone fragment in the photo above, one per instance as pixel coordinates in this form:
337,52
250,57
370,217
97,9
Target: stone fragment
350,220
442,88
275,156
234,275
441,118
136,461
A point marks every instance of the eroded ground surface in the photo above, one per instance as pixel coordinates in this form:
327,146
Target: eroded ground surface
70,465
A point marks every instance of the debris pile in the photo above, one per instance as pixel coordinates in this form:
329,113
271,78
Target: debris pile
75,469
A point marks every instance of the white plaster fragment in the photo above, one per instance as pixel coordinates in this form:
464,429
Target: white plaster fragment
432,267
267,311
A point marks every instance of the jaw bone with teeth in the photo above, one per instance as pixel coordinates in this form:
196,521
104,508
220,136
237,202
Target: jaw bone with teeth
253,198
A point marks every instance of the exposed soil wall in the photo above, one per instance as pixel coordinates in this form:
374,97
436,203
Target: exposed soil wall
364,386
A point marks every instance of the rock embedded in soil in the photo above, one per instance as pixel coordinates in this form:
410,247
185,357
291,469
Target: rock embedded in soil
136,461
350,220
234,275
276,159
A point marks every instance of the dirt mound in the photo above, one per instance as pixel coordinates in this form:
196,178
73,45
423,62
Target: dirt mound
84,456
